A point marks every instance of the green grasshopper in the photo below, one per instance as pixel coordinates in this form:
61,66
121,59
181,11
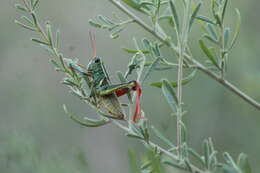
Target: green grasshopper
103,92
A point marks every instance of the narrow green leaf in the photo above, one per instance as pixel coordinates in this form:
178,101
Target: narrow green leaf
47,47
169,94
133,162
32,2
174,15
147,44
161,68
56,65
206,153
243,163
21,7
194,15
188,165
58,42
218,19
115,34
175,83
174,164
227,169
133,3
151,68
94,24
237,29
141,61
49,33
224,10
163,138
27,20
196,155
87,122
35,4
212,31
226,36
205,19
156,50
146,165
229,159
34,19
25,26
184,134
39,41
132,135
105,20
133,51
208,53
134,129
213,158
211,39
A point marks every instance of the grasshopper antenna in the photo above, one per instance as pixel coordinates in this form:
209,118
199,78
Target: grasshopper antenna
93,43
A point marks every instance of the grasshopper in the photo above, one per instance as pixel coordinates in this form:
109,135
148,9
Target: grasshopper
103,92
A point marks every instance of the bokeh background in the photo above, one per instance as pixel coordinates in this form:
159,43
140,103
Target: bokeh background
36,135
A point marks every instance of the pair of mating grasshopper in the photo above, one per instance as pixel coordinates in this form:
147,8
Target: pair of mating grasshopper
103,92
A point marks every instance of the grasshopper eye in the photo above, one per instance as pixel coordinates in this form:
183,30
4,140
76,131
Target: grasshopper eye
97,60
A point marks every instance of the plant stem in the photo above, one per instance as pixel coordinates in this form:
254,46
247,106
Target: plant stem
201,67
162,150
182,44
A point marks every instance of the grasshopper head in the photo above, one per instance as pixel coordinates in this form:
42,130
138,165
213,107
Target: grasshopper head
95,64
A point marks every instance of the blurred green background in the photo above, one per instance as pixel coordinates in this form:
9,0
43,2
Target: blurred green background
36,135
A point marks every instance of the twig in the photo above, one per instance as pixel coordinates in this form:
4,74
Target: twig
162,150
201,67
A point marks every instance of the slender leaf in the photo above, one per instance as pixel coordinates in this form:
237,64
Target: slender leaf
211,39
224,10
25,26
49,33
169,94
58,42
21,7
174,84
174,164
206,151
243,163
27,20
226,36
174,15
196,155
163,138
115,34
146,165
229,159
147,44
105,20
133,51
151,68
194,15
133,162
56,65
39,41
205,19
87,122
35,4
207,52
94,24
237,29
227,169
212,31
